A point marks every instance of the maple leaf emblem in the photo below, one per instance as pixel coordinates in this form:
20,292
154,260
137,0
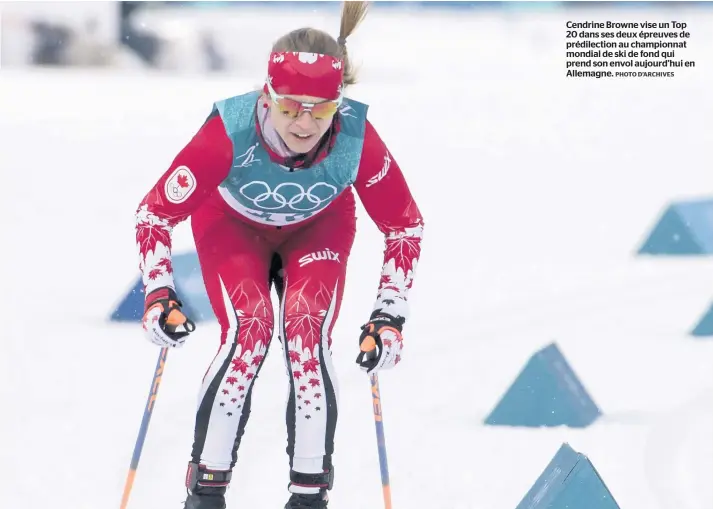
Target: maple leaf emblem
182,180
239,365
310,366
226,392
317,395
294,356
385,280
297,374
314,382
307,402
305,311
250,376
154,273
231,380
150,231
234,400
241,387
254,317
303,388
166,264
404,247
257,360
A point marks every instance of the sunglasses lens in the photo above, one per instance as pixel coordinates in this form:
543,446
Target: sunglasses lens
293,108
289,107
325,109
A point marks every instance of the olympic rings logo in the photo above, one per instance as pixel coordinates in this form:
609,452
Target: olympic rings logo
299,199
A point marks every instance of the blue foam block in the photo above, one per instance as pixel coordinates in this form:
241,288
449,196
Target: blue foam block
685,228
190,288
570,481
546,392
704,328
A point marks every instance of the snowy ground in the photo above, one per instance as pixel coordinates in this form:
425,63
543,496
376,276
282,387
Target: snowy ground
536,191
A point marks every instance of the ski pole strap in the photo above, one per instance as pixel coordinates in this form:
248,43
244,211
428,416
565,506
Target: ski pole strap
198,475
320,480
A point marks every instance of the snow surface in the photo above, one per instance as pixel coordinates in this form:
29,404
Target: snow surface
536,190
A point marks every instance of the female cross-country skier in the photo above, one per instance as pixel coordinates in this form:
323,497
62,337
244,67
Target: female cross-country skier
267,181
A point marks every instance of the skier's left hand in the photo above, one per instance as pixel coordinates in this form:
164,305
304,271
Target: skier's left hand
380,342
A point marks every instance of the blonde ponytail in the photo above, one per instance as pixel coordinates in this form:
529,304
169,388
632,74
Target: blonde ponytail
311,40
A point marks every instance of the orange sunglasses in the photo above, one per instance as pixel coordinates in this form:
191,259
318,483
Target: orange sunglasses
293,108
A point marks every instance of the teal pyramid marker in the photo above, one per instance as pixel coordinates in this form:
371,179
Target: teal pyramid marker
704,328
546,392
569,481
685,228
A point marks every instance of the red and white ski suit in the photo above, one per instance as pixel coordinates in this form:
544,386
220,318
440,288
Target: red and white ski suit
236,254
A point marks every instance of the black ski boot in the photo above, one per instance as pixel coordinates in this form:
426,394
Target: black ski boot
311,501
206,488
323,482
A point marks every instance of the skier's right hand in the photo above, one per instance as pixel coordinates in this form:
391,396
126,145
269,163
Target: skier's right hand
164,323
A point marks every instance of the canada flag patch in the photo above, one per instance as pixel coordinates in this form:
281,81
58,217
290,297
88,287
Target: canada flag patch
180,185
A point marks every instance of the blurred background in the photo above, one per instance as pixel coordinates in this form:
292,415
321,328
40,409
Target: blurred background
558,210
205,36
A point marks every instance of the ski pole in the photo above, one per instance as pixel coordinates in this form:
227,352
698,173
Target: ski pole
381,440
138,447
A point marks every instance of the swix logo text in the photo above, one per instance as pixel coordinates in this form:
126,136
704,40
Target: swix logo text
384,170
326,254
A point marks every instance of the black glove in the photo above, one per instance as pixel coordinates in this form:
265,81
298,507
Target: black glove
380,342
